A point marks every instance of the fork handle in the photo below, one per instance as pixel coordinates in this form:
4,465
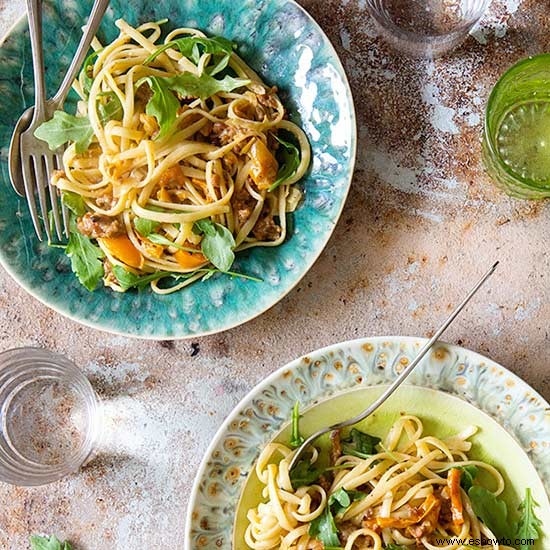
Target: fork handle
90,30
34,10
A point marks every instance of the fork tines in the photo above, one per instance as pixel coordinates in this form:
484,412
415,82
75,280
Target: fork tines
37,168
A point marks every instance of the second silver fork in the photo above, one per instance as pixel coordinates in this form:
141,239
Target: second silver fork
37,161
33,156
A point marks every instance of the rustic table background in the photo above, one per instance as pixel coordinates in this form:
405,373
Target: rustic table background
422,221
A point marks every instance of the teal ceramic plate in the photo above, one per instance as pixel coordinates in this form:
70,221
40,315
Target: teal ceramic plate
283,44
451,389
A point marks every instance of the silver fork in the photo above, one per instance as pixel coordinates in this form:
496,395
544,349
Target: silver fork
36,160
399,380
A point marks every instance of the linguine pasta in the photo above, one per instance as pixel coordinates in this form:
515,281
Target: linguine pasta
178,197
405,495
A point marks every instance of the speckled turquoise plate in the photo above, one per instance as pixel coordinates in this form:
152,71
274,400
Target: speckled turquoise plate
280,41
451,389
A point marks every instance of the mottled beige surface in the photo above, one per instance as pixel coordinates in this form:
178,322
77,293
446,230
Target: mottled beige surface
422,221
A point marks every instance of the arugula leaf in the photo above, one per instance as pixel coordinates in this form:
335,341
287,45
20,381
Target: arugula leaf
342,499
74,202
296,439
339,501
217,243
529,525
159,239
363,444
85,76
232,274
85,258
189,47
203,86
393,546
48,543
127,279
469,473
392,455
222,63
206,226
356,495
492,511
324,529
163,104
304,473
352,452
63,128
219,248
144,226
109,107
289,160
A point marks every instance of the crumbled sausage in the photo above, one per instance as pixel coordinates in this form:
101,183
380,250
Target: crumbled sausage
346,529
269,98
246,111
96,226
230,161
427,525
369,521
150,125
108,275
206,130
445,514
266,229
105,201
222,134
144,93
173,177
335,446
324,482
243,204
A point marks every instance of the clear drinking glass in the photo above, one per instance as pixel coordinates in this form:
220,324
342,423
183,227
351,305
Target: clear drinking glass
49,417
426,28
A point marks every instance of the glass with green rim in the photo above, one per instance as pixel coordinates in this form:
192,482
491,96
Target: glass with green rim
516,140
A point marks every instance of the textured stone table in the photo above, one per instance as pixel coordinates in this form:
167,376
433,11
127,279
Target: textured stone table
421,222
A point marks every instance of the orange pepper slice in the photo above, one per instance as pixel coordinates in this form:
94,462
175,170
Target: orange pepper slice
427,506
122,248
264,165
453,483
188,260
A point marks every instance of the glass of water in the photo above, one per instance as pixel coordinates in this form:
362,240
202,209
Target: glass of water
49,417
426,28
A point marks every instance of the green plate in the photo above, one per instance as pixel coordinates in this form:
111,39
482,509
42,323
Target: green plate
451,389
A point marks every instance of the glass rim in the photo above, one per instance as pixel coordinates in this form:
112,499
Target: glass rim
428,39
43,474
487,135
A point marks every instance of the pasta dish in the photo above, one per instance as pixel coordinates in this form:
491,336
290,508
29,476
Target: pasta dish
410,491
178,158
